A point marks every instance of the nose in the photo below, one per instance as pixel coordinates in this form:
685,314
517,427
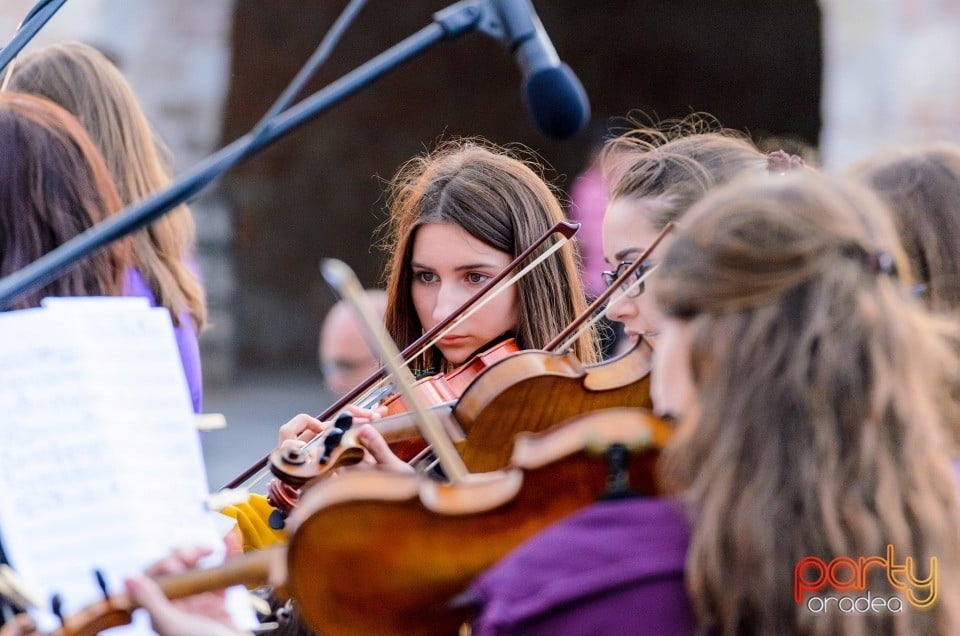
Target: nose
620,308
447,301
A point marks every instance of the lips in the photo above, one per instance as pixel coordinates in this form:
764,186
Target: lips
453,340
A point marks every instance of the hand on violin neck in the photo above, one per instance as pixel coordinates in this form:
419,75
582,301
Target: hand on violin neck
362,415
304,428
378,451
198,615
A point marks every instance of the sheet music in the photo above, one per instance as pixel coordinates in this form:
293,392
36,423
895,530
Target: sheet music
100,465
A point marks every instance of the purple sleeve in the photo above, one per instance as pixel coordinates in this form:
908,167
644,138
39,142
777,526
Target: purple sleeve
615,567
186,336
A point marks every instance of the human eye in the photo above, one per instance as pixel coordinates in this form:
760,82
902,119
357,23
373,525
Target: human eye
477,278
622,267
425,277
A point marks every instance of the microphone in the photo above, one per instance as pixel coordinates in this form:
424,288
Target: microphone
552,94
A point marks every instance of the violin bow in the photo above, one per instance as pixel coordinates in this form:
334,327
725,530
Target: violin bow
566,229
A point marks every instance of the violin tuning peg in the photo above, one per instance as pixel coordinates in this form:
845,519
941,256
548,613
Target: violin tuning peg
344,421
102,583
332,440
56,606
277,520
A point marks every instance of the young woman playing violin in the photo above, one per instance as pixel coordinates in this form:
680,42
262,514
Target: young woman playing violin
657,174
812,395
459,215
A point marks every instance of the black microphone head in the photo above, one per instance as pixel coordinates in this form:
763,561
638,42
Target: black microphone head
556,100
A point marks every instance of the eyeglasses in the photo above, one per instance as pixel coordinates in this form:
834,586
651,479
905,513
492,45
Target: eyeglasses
630,287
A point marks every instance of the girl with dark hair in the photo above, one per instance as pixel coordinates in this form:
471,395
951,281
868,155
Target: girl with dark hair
458,216
53,186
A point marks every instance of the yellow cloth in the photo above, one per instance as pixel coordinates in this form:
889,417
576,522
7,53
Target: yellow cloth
252,520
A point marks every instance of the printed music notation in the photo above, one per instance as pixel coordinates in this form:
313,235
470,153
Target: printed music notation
100,462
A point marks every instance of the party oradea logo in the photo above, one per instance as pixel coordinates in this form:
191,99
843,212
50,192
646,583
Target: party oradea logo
841,584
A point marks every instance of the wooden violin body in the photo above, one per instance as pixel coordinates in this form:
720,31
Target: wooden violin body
392,551
526,391
533,391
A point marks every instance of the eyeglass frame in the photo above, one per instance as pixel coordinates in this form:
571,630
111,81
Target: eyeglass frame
630,288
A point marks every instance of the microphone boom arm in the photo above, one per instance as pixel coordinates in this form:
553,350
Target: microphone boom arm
32,23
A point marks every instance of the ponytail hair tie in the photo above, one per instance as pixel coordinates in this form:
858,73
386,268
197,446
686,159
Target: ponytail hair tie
880,262
876,262
781,161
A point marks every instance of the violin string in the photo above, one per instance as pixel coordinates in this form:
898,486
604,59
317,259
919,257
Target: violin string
599,315
489,298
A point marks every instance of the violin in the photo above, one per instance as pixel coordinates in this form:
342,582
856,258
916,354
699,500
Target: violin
526,391
565,229
375,552
534,391
434,538
440,391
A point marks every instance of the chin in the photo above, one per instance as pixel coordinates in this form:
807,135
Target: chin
455,355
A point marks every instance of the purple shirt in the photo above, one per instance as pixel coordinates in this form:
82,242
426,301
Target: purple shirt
614,568
186,334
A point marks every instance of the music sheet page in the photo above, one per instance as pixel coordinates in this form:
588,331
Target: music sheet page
100,464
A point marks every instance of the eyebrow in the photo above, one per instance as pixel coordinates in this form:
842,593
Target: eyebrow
459,268
622,254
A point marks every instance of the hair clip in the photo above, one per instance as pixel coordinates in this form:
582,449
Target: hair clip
880,262
782,161
873,261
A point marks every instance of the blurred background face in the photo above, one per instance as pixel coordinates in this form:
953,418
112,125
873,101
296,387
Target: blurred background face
345,358
449,266
627,231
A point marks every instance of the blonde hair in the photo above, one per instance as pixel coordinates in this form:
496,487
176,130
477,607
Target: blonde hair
824,402
82,80
677,161
501,200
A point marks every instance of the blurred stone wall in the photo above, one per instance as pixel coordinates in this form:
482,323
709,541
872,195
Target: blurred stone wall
891,75
176,55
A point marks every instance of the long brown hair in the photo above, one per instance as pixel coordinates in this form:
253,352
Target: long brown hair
80,79
500,200
823,392
922,187
53,186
